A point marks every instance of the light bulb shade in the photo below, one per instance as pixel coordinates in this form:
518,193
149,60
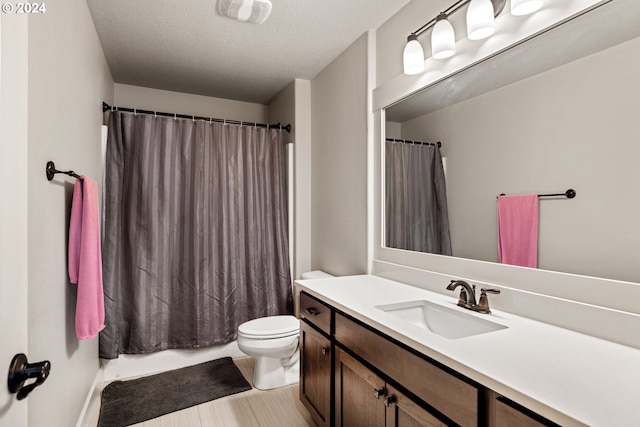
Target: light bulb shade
525,7
443,38
413,56
480,19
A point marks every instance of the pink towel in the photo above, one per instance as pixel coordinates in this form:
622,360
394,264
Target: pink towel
85,258
518,230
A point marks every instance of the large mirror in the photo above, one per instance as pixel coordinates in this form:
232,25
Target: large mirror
559,111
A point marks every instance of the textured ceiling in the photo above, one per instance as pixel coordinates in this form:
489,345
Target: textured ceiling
186,46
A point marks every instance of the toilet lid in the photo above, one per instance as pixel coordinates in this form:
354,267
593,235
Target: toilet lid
270,327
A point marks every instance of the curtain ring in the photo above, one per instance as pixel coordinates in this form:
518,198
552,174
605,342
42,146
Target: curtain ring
135,111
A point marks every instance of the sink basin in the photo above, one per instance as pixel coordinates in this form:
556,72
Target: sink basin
447,322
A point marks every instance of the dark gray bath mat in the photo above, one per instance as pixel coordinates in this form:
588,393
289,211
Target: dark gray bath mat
130,402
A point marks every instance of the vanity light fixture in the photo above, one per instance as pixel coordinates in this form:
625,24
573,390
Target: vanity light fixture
480,19
525,7
443,38
480,16
413,56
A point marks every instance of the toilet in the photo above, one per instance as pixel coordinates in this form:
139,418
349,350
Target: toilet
273,342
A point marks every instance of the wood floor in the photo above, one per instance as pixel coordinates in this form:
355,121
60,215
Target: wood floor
280,407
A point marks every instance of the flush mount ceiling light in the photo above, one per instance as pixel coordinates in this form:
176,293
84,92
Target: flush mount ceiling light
253,11
480,16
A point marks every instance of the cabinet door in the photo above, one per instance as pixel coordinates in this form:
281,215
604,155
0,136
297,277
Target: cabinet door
359,394
403,412
315,374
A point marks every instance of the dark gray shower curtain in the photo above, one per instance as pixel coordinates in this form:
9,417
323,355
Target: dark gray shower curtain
195,232
416,216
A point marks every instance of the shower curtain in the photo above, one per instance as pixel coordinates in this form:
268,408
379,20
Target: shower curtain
416,216
195,232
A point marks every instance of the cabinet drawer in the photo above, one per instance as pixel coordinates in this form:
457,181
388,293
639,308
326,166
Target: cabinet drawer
453,397
507,415
315,312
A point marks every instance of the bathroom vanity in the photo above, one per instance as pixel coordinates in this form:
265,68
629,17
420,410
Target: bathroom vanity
375,352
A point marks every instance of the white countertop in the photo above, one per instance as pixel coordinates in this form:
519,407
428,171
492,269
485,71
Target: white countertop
568,377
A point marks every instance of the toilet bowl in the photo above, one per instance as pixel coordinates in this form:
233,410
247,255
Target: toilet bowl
273,342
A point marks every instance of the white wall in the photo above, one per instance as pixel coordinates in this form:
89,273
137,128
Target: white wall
339,163
185,103
293,105
13,209
303,177
68,79
571,127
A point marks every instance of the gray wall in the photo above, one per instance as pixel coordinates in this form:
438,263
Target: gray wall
68,79
339,163
571,127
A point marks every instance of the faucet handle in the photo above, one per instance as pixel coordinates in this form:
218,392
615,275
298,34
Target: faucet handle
483,303
463,300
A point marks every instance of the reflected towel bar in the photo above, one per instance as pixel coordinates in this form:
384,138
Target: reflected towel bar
569,194
51,171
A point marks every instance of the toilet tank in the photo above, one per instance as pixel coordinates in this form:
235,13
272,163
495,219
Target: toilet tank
315,274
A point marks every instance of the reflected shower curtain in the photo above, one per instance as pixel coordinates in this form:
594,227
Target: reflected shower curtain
195,232
416,215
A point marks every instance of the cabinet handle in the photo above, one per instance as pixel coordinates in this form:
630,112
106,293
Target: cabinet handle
378,393
389,400
325,350
312,311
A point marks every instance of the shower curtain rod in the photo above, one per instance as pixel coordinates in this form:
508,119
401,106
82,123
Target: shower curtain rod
107,107
569,194
409,141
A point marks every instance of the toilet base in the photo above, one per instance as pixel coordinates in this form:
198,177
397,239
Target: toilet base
269,372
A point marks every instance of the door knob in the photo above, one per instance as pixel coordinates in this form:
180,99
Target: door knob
20,371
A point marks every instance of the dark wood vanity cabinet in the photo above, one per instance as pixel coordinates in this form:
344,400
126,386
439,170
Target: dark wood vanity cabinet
454,399
315,374
505,413
316,359
363,399
352,375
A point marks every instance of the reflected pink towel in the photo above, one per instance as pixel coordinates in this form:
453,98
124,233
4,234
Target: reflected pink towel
85,258
518,230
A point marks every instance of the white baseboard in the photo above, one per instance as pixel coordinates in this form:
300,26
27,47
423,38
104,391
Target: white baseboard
130,366
92,399
135,365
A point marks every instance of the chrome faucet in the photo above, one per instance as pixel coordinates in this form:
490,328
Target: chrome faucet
468,296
